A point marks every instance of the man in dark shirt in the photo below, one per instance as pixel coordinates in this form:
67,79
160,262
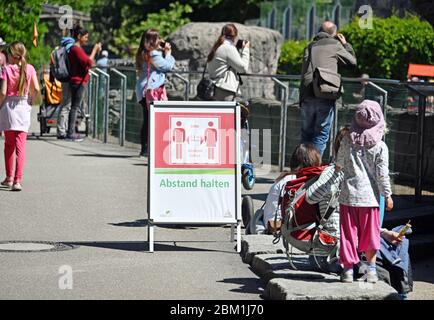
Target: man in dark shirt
79,65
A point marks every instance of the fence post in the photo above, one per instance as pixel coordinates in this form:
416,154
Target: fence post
95,106
420,146
283,123
186,83
106,103
123,109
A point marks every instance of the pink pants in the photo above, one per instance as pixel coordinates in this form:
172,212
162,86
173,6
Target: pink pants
15,143
360,231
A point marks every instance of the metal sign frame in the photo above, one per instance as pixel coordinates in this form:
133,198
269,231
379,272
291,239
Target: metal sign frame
186,107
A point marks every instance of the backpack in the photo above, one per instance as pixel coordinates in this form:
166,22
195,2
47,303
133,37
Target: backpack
303,227
59,66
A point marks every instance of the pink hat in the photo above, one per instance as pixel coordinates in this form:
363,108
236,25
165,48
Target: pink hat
368,125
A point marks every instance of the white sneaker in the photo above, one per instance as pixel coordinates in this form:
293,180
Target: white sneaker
372,277
347,277
17,187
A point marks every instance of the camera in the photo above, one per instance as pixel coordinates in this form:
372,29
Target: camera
162,44
240,44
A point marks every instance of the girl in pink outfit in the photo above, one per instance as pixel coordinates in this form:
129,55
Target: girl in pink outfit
19,79
364,158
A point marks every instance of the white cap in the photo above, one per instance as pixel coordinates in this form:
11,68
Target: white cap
2,42
104,53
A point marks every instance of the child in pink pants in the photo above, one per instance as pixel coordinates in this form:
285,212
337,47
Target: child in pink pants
364,159
19,79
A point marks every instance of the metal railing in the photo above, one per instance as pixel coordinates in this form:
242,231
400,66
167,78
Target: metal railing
93,100
106,83
421,136
283,123
123,105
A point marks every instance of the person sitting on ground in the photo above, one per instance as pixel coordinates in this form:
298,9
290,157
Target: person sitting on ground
304,156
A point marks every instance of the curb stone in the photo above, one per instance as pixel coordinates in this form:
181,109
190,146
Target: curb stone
252,245
327,289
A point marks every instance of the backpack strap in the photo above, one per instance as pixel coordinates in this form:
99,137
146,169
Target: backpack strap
329,211
204,70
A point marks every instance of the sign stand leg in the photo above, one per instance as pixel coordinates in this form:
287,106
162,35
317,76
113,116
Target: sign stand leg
232,232
239,236
151,235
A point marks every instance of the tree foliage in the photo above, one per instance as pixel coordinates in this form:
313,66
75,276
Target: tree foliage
17,19
127,37
291,56
387,49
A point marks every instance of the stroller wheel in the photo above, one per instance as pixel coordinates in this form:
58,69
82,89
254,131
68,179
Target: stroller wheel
247,210
248,177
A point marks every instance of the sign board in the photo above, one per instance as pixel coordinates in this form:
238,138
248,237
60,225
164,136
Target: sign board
194,165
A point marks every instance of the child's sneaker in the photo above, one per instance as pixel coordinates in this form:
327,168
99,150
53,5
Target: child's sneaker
372,277
17,187
347,277
6,183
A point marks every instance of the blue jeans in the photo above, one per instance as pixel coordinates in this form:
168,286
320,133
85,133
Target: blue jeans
316,121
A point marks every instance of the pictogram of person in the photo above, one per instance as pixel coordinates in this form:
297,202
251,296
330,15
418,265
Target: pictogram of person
178,137
211,140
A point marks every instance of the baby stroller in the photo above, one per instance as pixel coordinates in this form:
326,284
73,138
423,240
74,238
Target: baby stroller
247,170
51,90
52,97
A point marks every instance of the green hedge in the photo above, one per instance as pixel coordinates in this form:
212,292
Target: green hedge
382,52
386,50
291,57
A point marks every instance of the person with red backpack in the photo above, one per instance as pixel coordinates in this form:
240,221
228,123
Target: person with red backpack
305,163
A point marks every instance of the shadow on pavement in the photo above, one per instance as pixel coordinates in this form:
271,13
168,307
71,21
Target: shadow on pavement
144,223
401,202
141,164
258,196
143,246
135,224
264,180
247,285
423,271
99,155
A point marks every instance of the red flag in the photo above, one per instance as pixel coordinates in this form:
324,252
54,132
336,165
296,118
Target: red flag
35,35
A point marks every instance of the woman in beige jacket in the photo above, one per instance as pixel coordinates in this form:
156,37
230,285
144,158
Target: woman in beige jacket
225,62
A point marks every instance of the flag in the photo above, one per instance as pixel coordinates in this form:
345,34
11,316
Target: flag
35,35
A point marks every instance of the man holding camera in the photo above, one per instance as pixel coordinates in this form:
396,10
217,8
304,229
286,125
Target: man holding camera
321,85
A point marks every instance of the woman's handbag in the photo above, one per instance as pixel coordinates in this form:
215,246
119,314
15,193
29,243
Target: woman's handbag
158,94
206,87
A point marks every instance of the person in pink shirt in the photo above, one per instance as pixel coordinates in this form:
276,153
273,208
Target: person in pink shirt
20,88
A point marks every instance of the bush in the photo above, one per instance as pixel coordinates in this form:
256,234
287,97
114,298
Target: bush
386,50
291,57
